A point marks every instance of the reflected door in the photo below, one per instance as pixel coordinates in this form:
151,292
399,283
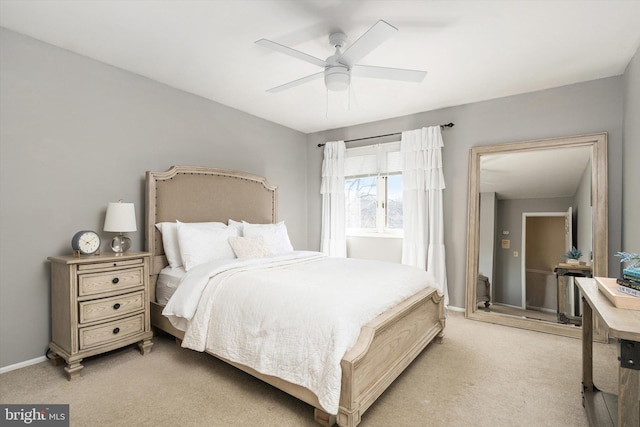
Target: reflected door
545,244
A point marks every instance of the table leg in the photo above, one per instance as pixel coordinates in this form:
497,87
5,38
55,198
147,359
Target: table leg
629,384
560,294
587,346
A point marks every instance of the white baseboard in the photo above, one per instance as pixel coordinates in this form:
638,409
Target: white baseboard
22,364
458,309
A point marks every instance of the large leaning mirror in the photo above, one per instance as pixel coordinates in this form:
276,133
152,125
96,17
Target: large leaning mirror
529,203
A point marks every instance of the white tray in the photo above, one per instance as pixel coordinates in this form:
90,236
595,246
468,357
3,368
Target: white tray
609,288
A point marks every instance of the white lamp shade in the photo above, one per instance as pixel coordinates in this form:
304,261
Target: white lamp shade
121,217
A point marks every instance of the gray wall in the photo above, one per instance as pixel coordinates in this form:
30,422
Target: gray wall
591,107
631,159
583,215
487,238
76,134
370,248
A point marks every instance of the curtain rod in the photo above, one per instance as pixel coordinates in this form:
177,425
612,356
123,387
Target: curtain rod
448,125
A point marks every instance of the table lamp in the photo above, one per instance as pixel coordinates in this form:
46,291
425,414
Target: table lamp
120,218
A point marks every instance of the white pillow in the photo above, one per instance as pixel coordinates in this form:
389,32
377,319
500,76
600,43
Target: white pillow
249,247
236,224
169,232
275,236
200,243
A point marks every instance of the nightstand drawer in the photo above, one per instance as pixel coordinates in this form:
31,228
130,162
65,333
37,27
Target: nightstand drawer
121,263
97,283
94,336
107,308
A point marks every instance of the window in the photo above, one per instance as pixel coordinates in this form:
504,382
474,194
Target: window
373,190
394,202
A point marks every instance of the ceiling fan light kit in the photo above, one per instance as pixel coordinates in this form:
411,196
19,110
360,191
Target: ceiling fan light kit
338,67
337,78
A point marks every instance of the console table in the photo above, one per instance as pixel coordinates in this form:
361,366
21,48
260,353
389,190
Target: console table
568,300
604,409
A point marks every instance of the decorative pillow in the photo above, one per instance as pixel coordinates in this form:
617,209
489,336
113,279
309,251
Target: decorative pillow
249,247
200,244
275,236
169,232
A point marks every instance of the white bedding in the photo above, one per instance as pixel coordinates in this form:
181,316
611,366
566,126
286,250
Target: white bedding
168,281
293,316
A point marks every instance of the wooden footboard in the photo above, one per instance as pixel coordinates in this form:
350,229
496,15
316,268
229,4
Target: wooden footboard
385,347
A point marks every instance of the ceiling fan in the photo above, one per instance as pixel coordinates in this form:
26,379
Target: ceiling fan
339,67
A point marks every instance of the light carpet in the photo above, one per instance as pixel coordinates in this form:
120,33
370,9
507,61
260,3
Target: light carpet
481,375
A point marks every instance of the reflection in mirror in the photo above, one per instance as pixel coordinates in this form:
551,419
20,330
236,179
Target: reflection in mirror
529,204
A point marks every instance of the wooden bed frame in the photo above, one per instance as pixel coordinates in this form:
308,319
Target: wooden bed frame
386,345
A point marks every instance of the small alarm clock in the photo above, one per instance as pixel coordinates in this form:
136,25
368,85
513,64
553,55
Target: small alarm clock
85,242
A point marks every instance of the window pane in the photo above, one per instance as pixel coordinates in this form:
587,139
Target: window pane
360,200
394,202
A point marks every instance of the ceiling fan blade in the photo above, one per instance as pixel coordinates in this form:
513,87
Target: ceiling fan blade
415,76
375,36
298,82
291,52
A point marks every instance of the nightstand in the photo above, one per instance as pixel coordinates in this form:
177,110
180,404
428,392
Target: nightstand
98,303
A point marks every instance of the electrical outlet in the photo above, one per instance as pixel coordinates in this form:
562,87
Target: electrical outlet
515,254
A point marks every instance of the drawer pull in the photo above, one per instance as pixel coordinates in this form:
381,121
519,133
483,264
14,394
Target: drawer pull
116,330
116,306
115,280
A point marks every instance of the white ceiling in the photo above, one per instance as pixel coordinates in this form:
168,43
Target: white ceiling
537,174
473,50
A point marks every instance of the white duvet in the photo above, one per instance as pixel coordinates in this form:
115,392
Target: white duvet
292,316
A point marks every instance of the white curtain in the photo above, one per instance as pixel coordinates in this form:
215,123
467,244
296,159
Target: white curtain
423,182
333,237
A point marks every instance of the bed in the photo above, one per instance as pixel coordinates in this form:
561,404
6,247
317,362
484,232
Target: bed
385,346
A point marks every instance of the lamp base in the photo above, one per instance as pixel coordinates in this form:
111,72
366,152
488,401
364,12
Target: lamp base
120,244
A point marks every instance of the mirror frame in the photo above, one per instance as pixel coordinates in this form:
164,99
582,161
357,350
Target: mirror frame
599,197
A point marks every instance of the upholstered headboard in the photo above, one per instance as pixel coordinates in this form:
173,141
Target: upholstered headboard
201,194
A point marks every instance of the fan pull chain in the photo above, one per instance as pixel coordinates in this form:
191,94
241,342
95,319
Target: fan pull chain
326,114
